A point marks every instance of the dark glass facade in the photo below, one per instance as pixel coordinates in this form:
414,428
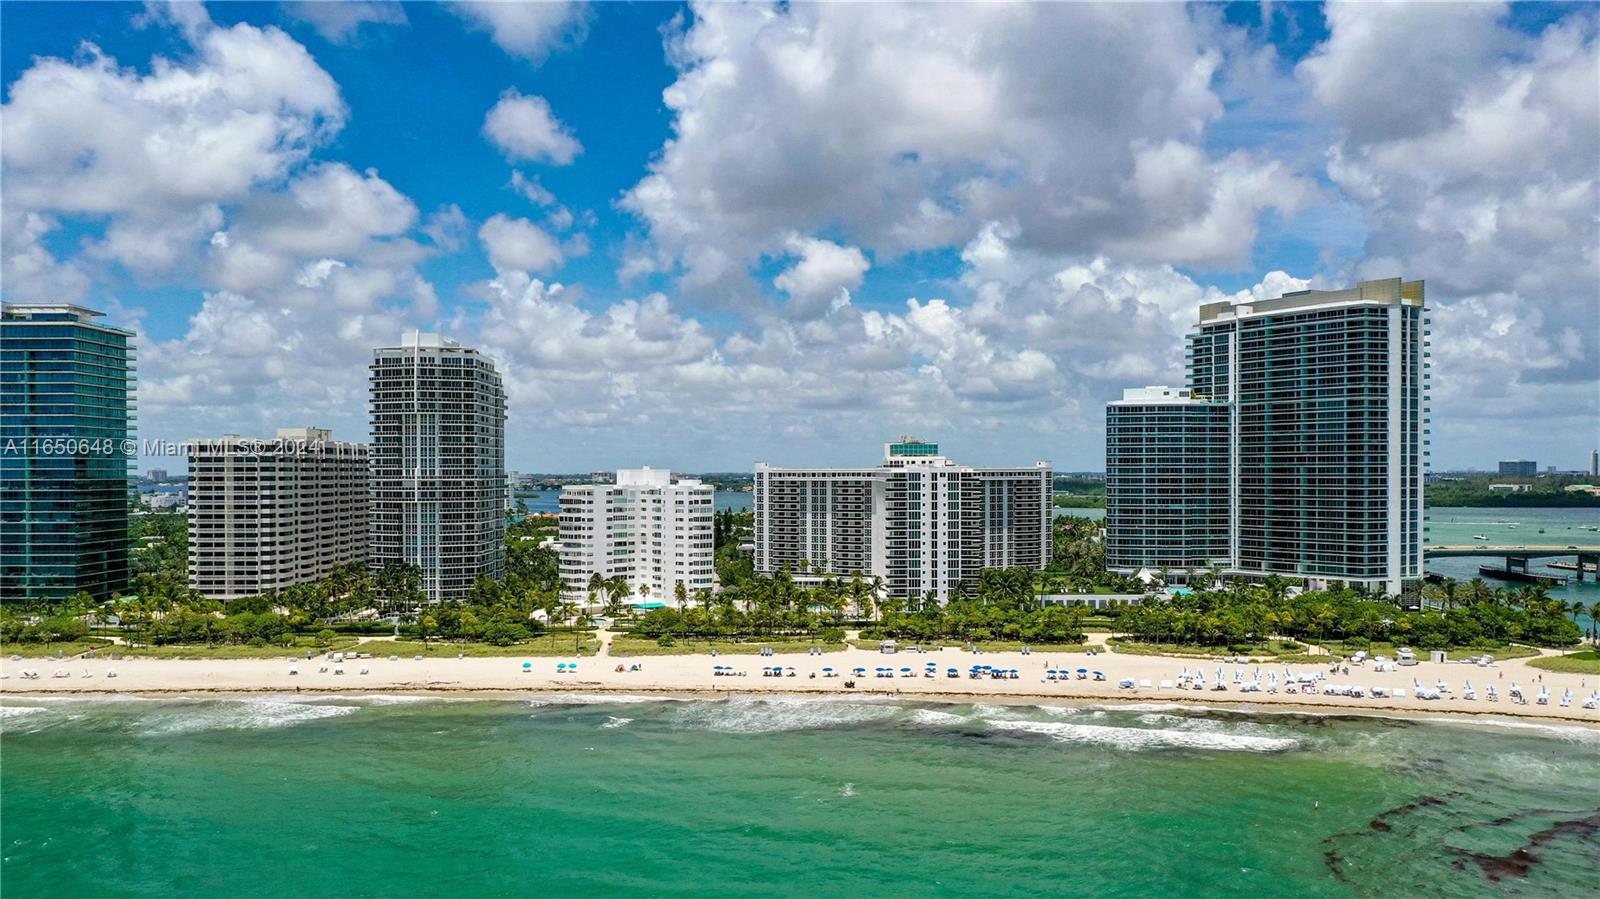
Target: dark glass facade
66,410
1167,485
1324,399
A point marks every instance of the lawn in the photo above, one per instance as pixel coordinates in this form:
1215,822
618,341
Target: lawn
553,645
48,650
230,650
624,645
1258,650
985,645
1587,662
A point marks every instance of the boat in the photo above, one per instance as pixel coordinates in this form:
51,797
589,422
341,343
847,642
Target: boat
1479,537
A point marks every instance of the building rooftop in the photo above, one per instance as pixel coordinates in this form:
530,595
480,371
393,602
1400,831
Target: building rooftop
1386,292
1157,394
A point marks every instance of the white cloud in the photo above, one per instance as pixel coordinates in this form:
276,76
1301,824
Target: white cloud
530,30
1471,149
524,129
906,127
824,273
518,245
157,152
30,271
340,20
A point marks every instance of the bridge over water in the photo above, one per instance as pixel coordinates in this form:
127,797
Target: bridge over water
1517,556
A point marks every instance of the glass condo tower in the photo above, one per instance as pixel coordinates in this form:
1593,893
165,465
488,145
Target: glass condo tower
66,410
1316,402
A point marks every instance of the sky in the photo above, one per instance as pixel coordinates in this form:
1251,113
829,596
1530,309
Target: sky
698,236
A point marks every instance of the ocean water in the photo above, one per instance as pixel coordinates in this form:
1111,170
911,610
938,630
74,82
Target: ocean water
377,795
1559,527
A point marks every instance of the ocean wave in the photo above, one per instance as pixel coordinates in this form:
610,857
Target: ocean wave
599,699
242,714
1135,738
750,715
932,718
28,719
613,722
378,699
1575,733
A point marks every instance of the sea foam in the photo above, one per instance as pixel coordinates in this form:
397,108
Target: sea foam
771,715
242,714
1135,738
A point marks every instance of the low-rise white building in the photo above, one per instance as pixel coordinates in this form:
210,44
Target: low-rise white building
647,528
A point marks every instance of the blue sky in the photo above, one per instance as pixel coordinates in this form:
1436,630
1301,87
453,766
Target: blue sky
793,232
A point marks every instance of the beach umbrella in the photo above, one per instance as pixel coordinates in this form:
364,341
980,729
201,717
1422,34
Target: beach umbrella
526,665
1083,670
905,670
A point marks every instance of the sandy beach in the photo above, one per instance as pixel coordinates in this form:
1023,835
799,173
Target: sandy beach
689,675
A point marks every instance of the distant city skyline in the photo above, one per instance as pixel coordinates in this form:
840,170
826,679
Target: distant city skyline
697,236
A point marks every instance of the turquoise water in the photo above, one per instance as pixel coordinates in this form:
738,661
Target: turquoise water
377,796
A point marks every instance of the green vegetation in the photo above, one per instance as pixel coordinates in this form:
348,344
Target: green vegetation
1063,501
168,618
556,644
624,646
1471,616
985,645
1079,486
1587,662
1548,491
524,614
232,650
1267,649
46,649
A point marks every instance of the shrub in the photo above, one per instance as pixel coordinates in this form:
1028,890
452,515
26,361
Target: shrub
665,640
325,637
831,635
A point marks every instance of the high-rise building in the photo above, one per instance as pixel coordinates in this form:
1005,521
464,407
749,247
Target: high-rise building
267,514
157,475
1594,463
920,522
1522,468
1325,396
66,422
1168,478
647,528
438,463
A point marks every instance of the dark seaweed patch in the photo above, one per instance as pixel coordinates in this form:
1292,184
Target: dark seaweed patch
1519,861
